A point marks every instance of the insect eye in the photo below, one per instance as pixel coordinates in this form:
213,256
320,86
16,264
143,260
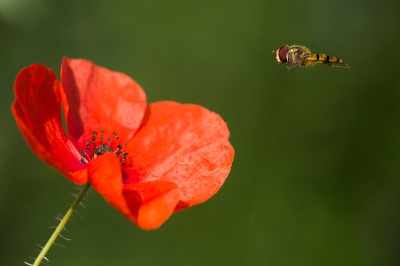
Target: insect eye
282,54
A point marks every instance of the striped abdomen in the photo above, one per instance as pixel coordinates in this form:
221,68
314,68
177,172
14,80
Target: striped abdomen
325,59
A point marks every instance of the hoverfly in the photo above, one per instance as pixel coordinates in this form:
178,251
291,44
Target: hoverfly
299,56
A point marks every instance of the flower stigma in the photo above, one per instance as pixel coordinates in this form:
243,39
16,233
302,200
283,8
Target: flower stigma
98,147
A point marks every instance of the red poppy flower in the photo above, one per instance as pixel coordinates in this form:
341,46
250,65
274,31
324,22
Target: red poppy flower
146,161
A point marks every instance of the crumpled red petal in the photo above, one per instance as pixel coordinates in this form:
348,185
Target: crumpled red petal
97,99
152,203
184,144
104,173
37,112
146,204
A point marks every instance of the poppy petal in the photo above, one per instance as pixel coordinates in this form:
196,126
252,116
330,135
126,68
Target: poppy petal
184,144
104,173
100,99
146,204
36,109
152,203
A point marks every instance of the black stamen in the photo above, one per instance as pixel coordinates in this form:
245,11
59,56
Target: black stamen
94,148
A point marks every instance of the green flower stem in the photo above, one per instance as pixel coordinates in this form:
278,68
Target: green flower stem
60,227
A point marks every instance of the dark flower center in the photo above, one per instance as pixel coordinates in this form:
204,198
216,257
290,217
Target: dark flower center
99,146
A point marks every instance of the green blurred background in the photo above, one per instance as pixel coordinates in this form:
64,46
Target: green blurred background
315,180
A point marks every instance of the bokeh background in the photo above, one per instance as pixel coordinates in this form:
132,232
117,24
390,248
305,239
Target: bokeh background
315,180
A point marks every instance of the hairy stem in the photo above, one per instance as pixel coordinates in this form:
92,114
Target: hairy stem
60,227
